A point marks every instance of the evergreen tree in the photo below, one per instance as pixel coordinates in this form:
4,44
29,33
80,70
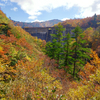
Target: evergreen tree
67,51
95,17
71,52
79,51
54,48
50,49
59,42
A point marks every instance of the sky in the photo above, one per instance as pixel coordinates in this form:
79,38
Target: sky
43,10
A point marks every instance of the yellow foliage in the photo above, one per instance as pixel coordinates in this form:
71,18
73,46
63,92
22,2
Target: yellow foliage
2,68
1,48
28,58
91,89
22,74
32,80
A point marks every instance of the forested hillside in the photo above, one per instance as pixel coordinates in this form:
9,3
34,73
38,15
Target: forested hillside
23,75
93,21
49,23
31,69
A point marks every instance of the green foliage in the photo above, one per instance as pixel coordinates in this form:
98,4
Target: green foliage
70,52
89,89
79,51
67,50
13,62
4,29
54,48
50,50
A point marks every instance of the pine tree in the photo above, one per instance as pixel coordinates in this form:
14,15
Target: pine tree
79,51
51,49
67,51
54,48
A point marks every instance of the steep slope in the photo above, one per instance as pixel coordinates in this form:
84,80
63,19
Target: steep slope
22,74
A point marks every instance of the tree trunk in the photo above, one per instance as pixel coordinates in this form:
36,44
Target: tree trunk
74,68
75,58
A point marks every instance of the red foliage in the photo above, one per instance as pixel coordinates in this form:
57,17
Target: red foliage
9,33
10,38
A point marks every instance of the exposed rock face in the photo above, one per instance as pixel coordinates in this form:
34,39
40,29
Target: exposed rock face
44,32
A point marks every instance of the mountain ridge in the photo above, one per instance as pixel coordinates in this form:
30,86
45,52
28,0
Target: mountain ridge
47,23
92,21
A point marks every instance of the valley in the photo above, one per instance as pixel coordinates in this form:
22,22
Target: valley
34,65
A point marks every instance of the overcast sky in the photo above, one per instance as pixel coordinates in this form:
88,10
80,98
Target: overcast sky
42,10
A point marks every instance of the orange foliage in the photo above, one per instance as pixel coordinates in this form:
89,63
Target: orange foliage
1,52
24,43
90,68
59,74
7,39
9,33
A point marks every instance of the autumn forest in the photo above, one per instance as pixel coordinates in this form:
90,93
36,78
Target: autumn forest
65,68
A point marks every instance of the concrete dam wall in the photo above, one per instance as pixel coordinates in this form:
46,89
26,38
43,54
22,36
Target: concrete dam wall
44,32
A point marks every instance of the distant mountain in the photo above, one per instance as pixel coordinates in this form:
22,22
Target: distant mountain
37,24
93,21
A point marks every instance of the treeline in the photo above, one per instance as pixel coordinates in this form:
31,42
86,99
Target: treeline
93,21
70,51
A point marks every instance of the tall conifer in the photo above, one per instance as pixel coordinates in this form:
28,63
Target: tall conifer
55,46
79,52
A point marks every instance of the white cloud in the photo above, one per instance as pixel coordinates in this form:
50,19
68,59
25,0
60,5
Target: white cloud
64,19
1,4
27,21
37,21
34,7
15,8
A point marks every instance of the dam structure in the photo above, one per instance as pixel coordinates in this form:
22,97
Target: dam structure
44,32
